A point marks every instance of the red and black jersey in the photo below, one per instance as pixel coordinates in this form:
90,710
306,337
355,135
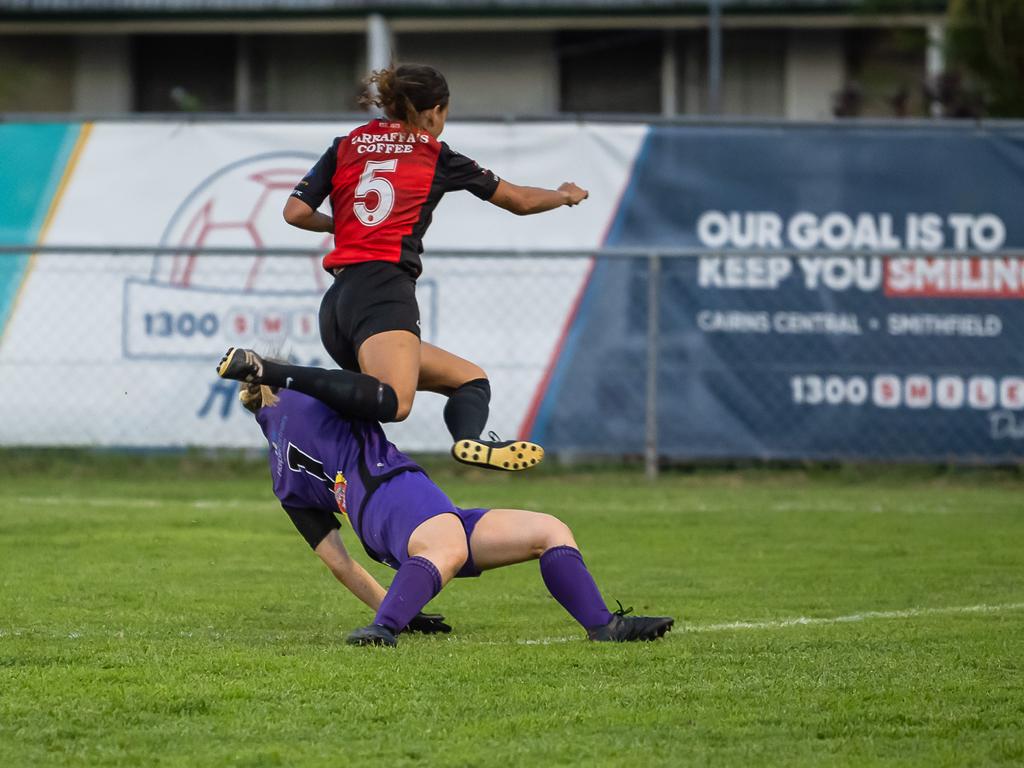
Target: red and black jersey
384,182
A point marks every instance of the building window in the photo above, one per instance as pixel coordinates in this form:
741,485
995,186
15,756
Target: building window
885,74
753,72
184,73
306,73
610,71
490,73
36,73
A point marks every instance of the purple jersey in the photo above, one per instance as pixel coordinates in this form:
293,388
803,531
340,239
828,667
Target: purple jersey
322,464
320,460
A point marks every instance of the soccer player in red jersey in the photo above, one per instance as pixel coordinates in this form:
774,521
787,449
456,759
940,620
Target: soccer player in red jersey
384,180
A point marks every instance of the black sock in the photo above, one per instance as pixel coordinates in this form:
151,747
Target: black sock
467,409
353,395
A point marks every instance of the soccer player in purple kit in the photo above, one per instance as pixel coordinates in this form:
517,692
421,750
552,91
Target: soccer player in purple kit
322,463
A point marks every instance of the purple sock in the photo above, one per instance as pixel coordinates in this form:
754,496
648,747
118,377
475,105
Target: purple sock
415,585
570,583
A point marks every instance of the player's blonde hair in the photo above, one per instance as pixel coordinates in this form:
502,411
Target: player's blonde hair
256,396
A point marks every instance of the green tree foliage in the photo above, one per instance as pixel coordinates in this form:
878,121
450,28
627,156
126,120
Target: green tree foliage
985,39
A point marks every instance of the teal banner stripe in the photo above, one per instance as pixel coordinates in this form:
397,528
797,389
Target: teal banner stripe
32,161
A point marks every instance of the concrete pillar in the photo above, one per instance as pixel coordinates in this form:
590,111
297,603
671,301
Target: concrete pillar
714,57
243,75
103,77
669,74
814,73
378,49
694,79
378,42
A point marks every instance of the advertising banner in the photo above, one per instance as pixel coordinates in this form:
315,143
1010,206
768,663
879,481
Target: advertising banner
819,321
830,330
121,350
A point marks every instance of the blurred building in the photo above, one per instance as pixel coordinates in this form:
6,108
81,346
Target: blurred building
801,59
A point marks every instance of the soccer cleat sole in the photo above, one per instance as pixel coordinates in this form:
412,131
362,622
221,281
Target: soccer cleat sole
235,366
514,457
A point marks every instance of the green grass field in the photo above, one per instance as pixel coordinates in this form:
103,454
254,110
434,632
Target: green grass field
163,611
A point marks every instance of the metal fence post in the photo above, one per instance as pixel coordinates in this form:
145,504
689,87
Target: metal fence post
651,400
715,57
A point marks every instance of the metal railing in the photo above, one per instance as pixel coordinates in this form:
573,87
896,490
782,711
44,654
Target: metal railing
141,280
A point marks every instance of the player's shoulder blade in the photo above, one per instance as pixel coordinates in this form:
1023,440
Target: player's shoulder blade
290,401
376,126
366,127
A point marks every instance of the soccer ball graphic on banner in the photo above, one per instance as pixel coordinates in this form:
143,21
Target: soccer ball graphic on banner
240,206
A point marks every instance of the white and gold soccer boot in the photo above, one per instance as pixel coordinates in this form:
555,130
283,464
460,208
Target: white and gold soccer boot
504,455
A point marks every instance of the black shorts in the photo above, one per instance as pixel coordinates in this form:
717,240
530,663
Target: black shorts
366,299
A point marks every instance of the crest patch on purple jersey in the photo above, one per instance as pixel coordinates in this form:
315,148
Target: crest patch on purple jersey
340,486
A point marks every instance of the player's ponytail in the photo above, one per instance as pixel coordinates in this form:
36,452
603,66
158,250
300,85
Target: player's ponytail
404,91
256,396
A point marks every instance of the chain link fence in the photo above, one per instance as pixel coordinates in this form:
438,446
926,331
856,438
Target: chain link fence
119,348
682,355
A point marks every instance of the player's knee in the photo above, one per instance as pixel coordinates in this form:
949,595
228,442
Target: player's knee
394,401
476,372
404,407
442,540
552,532
451,558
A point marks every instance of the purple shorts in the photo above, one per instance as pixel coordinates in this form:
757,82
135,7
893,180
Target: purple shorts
399,506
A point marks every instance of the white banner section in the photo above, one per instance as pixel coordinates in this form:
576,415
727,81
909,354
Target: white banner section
121,351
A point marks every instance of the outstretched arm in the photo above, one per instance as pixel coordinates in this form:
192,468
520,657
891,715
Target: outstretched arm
523,201
320,530
361,584
349,572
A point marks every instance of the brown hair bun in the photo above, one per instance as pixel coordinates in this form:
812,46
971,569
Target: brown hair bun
405,90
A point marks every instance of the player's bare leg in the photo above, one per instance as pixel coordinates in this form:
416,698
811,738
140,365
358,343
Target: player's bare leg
445,373
393,357
508,536
469,396
442,541
437,550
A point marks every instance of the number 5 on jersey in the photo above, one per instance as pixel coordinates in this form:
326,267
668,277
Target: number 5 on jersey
369,182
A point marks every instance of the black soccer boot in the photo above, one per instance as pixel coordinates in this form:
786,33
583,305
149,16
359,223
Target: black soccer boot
375,634
626,629
241,365
506,455
428,624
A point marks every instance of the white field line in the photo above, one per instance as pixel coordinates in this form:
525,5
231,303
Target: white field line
732,626
801,621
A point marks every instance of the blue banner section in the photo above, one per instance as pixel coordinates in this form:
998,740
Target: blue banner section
855,342
32,159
